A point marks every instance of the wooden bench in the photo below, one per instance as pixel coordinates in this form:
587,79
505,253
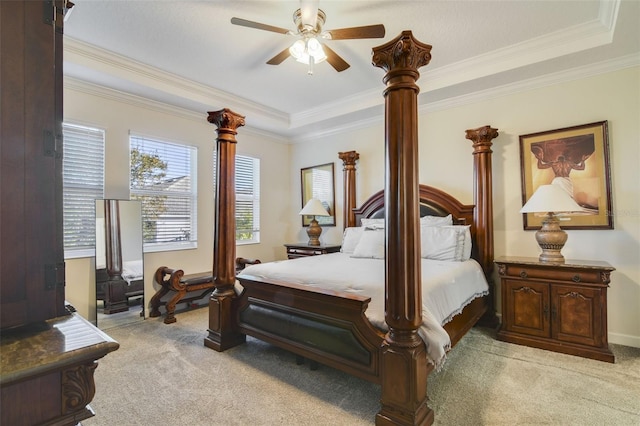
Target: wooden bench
175,280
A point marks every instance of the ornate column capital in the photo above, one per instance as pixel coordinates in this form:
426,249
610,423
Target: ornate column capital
348,158
227,122
402,53
482,138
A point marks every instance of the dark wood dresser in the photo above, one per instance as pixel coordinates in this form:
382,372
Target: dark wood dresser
558,307
303,250
47,352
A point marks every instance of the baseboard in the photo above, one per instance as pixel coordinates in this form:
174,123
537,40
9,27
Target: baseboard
624,339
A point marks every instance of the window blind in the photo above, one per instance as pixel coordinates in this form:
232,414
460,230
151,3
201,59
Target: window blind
163,179
247,197
83,183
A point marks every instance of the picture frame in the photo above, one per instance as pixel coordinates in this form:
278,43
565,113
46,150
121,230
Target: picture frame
578,159
318,182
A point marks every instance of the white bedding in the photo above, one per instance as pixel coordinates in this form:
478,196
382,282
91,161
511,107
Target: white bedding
132,271
447,287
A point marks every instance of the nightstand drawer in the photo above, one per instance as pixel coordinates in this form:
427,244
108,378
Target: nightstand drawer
555,274
303,250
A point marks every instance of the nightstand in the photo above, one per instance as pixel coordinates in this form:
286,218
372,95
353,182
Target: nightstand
558,307
302,250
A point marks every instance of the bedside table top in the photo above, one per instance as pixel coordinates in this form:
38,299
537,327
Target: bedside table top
569,263
307,246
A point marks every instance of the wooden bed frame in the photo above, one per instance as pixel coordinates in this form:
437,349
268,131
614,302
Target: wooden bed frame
330,327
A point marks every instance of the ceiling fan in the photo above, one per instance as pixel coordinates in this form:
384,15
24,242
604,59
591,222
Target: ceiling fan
308,49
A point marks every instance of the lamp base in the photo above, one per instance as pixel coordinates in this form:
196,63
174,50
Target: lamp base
313,231
551,239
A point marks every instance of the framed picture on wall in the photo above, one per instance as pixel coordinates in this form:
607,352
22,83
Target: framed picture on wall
577,159
318,182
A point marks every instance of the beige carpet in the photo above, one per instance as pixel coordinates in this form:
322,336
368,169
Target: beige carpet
163,375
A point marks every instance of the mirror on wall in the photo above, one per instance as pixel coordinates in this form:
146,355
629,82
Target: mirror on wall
119,263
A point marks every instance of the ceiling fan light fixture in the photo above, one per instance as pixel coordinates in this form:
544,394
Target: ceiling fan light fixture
309,50
302,50
297,49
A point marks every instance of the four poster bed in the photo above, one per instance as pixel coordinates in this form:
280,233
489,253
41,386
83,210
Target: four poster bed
328,325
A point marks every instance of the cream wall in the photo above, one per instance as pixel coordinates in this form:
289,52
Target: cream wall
118,114
446,162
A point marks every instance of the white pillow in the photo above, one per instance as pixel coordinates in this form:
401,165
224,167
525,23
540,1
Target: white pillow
372,222
436,220
350,239
371,244
449,243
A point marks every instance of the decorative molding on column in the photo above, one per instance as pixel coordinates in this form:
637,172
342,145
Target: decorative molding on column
224,248
349,159
482,139
404,369
227,122
222,303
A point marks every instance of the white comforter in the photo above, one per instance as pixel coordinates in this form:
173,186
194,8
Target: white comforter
447,287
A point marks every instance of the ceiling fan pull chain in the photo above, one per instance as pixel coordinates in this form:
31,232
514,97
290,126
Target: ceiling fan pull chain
311,62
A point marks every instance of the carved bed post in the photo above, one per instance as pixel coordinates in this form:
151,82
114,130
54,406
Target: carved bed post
483,193
482,138
221,334
404,363
114,290
349,159
112,239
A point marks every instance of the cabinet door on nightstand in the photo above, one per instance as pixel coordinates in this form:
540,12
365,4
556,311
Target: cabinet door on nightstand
527,307
577,314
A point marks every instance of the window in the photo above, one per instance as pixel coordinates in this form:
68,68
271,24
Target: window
82,184
247,198
163,179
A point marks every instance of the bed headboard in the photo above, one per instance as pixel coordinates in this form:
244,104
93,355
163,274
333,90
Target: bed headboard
438,203
433,202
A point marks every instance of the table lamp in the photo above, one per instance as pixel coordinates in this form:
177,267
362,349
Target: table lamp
314,208
553,201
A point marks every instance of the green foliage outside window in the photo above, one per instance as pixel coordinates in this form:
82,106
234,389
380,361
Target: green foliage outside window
148,171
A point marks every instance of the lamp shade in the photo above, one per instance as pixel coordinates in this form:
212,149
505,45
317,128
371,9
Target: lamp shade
550,198
314,208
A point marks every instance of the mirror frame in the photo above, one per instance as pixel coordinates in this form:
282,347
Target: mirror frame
127,263
318,182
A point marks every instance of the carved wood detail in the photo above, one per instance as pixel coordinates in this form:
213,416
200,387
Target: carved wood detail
221,333
224,250
349,159
403,350
78,387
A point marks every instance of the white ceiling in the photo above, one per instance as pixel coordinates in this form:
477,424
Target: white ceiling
188,54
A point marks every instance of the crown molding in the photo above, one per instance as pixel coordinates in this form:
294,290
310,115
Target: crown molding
580,37
425,105
323,121
562,42
560,77
82,86
120,66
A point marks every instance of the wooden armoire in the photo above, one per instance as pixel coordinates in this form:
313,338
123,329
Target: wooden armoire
47,353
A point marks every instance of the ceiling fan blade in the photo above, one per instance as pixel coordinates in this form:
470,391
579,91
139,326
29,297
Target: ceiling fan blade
277,60
258,26
368,31
309,12
334,59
